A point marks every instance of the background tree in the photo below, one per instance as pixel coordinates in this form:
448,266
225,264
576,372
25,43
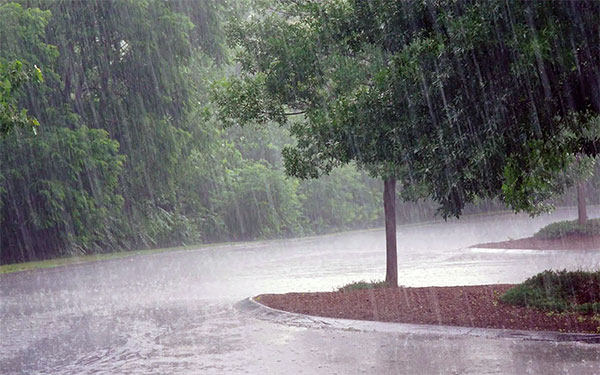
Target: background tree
57,188
12,76
129,154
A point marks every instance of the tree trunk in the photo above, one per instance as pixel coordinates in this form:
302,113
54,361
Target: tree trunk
389,208
581,209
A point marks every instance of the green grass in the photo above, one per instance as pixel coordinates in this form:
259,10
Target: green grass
558,291
359,285
569,228
57,262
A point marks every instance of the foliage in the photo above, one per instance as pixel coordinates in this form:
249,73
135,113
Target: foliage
345,199
63,196
260,202
122,71
569,228
12,76
361,285
127,68
470,100
131,152
558,291
118,81
16,70
57,189
549,174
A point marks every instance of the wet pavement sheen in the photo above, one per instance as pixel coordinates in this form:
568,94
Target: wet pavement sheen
173,313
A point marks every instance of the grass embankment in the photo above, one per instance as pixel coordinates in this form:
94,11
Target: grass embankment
567,228
57,262
562,235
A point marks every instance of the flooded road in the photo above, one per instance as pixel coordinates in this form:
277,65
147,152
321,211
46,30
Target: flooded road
172,312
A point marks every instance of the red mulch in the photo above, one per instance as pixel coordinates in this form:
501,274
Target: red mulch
564,243
466,306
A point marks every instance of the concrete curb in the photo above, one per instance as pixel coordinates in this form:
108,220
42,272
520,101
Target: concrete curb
260,311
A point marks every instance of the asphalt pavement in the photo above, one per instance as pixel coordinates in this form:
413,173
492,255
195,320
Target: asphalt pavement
174,312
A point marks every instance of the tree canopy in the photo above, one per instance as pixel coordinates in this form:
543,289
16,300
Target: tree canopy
466,99
12,77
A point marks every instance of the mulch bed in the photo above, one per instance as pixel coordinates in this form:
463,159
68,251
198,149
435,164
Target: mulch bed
465,306
564,243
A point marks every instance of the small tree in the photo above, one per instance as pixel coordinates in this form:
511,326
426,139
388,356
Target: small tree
288,78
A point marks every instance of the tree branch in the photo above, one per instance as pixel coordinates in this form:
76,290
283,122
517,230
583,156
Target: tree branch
285,113
294,113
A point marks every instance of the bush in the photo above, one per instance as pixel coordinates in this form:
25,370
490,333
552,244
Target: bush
558,291
358,285
569,228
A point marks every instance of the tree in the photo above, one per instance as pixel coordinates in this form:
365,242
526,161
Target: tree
62,199
12,77
57,188
124,69
467,100
18,69
584,170
495,98
287,71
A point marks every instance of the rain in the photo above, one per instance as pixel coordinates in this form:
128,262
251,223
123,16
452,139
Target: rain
299,187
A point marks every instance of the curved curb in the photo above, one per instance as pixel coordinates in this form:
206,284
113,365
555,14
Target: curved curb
264,312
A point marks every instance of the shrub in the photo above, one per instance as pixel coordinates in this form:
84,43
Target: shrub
358,285
558,291
569,228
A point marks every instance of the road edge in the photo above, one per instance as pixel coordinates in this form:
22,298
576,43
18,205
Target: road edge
263,312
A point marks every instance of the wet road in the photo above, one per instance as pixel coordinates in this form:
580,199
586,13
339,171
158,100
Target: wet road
172,313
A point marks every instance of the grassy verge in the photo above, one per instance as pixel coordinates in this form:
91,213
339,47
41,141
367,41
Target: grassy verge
569,228
57,262
558,291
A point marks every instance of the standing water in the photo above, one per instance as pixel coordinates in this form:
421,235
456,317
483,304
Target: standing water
177,315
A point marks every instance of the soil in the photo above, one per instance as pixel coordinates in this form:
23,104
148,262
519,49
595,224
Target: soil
465,306
563,243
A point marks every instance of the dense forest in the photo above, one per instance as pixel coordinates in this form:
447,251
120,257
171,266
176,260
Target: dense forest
128,153
128,150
